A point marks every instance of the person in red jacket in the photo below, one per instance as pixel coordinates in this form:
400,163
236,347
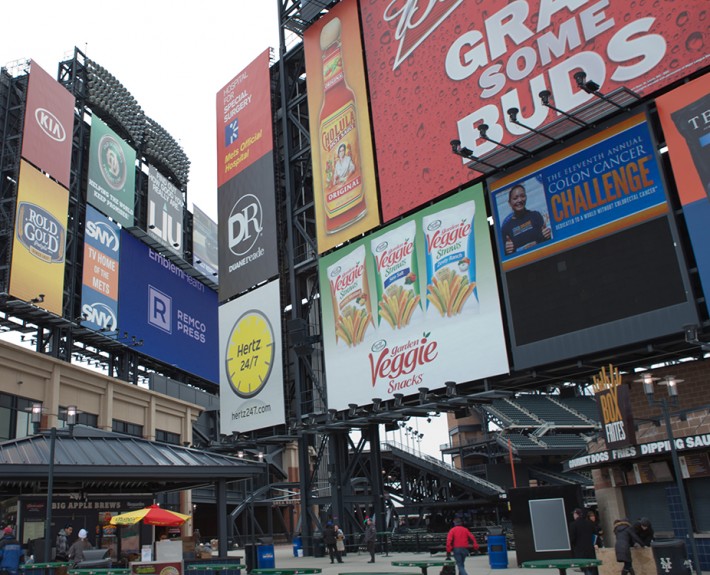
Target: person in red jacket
457,543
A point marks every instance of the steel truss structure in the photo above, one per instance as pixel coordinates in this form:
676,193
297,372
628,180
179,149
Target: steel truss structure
345,478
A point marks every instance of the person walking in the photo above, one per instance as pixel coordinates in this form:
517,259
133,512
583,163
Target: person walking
62,545
598,532
10,552
582,533
76,551
625,538
339,543
457,543
370,538
331,542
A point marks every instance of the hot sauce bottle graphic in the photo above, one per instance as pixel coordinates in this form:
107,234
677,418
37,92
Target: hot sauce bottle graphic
340,158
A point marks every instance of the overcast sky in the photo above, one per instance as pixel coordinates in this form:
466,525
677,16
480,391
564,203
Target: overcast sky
172,57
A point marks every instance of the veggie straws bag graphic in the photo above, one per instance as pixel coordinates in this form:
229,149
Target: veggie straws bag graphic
351,298
397,276
450,259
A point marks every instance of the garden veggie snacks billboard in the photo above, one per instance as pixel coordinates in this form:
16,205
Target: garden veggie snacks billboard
440,69
415,304
343,167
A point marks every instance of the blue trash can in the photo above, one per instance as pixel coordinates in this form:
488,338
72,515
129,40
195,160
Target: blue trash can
298,546
497,552
265,557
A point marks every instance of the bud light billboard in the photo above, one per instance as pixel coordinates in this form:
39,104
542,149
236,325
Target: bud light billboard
99,293
166,313
414,305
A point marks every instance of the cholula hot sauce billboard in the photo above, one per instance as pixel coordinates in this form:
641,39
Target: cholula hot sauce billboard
343,167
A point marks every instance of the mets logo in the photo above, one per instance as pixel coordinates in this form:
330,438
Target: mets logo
40,232
112,162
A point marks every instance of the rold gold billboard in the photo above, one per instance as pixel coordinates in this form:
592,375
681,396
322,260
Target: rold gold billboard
39,241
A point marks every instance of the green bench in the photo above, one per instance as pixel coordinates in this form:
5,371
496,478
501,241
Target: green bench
215,567
560,564
287,571
424,565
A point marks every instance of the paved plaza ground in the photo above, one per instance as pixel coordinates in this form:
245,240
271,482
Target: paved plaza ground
358,563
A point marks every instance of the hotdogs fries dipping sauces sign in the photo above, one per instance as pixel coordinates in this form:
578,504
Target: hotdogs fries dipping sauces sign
413,305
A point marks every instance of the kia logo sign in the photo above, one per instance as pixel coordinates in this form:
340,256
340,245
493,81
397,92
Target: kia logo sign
245,224
50,125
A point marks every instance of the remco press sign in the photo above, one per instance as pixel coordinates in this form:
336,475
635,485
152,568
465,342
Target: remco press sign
170,312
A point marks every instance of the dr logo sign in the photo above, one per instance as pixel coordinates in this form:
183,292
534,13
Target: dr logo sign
245,224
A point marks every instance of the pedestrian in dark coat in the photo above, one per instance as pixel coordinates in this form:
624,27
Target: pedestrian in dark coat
370,538
625,539
582,533
330,540
644,530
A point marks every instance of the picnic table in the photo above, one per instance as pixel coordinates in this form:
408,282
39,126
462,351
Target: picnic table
560,564
424,565
288,571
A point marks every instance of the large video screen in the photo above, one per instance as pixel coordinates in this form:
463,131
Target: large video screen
588,251
344,183
170,312
413,305
439,70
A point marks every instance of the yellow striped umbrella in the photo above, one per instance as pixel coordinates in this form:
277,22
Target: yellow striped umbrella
151,515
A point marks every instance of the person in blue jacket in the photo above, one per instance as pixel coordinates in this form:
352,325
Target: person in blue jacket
10,552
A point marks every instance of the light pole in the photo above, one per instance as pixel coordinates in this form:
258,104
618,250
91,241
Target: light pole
36,419
671,382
